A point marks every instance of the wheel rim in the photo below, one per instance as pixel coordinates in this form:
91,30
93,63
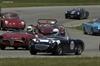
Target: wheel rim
79,50
60,51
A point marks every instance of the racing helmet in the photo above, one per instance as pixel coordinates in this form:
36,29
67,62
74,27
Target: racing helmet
52,22
56,31
29,29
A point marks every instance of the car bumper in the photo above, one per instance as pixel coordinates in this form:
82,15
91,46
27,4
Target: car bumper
42,48
13,43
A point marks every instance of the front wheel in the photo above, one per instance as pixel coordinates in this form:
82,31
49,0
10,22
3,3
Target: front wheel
58,51
32,52
84,30
2,47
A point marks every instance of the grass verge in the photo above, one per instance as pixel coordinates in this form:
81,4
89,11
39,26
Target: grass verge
5,5
77,27
50,61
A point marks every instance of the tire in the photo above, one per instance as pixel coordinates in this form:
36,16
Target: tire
80,17
87,14
27,48
99,47
66,16
15,48
79,48
84,31
58,51
91,32
2,47
32,52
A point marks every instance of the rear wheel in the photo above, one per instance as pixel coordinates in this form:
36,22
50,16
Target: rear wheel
79,50
99,47
86,15
91,32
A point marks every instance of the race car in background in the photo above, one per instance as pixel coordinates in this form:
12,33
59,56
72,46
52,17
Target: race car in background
92,27
16,39
47,27
56,45
76,13
10,20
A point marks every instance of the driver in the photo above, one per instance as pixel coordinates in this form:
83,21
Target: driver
30,29
56,32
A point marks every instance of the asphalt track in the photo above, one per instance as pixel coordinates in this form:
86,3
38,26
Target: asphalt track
30,16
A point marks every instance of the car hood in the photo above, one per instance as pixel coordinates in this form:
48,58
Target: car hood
16,35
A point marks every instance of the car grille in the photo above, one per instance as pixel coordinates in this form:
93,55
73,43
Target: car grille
41,46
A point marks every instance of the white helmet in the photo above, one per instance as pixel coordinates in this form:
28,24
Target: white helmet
52,22
55,30
29,28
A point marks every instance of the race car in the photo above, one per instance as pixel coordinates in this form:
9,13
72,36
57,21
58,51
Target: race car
16,39
56,45
92,27
47,27
10,20
76,13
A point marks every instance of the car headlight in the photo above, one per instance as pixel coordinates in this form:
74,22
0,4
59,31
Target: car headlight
35,40
22,22
50,41
6,22
78,13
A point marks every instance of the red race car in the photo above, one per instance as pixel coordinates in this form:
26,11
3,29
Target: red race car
48,27
15,39
12,21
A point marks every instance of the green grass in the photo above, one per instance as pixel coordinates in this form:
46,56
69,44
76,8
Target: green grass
54,1
50,62
77,27
29,3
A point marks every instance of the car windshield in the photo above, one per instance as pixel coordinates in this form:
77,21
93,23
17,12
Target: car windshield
44,25
10,15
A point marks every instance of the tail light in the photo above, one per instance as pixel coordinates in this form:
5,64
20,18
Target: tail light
6,22
22,22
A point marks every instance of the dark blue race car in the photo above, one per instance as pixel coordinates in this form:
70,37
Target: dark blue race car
78,13
56,45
